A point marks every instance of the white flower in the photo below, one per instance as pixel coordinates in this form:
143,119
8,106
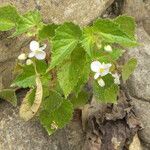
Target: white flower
108,48
22,56
29,62
37,51
101,82
100,69
116,78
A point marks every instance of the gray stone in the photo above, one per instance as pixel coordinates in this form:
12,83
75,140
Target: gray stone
146,21
15,134
140,10
58,11
139,82
143,111
135,8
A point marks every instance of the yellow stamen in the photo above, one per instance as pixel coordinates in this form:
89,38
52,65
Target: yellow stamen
101,70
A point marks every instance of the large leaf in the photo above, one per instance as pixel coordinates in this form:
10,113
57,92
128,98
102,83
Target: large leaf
128,68
26,78
9,95
84,77
27,111
58,118
27,22
80,100
47,32
52,101
88,40
126,24
71,71
8,17
110,57
108,93
65,40
111,32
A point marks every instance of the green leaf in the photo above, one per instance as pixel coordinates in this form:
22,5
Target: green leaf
27,111
128,68
8,17
66,39
84,77
45,79
28,21
41,66
80,100
58,118
9,95
88,40
47,32
111,32
111,56
71,71
26,78
6,25
126,24
108,93
52,101
31,96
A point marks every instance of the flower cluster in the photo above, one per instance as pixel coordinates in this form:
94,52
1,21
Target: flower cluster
36,51
102,69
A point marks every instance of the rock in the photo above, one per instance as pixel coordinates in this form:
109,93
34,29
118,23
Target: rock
135,8
143,111
19,135
146,21
10,48
57,11
139,83
140,10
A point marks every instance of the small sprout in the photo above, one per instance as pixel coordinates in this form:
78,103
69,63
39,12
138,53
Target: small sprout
22,56
100,69
101,82
108,48
116,78
29,62
37,51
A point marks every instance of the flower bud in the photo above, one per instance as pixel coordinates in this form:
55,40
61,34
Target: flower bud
22,56
29,62
101,82
108,48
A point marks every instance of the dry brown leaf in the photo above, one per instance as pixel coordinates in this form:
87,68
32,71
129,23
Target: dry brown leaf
135,145
26,111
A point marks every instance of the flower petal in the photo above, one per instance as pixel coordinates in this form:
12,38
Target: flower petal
116,78
43,47
34,45
22,56
107,65
40,55
106,71
95,65
96,75
32,54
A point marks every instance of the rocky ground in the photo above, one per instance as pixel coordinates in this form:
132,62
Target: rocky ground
18,135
